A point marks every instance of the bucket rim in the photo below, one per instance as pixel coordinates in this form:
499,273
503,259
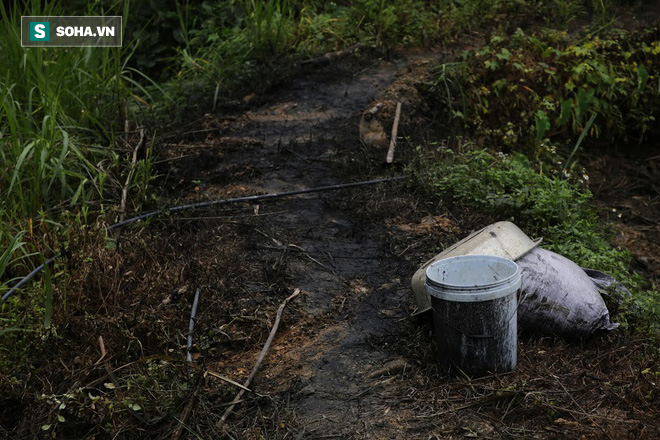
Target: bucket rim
473,293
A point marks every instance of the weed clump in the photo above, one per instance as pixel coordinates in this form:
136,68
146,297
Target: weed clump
60,110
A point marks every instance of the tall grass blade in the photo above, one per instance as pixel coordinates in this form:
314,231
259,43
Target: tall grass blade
579,141
15,244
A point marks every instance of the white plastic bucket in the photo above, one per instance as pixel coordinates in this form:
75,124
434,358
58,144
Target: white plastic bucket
502,239
474,300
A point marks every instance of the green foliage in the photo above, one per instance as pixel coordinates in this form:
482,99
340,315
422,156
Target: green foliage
59,110
148,389
232,48
508,188
10,246
470,14
550,85
225,48
395,23
155,28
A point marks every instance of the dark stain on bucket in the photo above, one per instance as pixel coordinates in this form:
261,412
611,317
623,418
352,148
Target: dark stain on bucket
474,301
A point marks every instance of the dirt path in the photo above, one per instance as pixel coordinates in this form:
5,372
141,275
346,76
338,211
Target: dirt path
348,362
355,289
352,284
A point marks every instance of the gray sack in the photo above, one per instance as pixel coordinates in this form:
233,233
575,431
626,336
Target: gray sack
559,297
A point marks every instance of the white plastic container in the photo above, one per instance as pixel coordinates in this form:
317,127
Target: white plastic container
503,239
474,300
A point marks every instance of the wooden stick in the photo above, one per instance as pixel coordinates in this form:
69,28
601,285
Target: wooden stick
226,379
176,434
124,190
395,128
269,341
103,352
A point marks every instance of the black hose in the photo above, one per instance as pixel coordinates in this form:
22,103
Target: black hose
252,198
29,276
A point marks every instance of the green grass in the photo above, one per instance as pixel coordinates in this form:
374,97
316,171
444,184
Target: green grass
229,49
63,163
60,110
63,160
235,48
549,94
509,188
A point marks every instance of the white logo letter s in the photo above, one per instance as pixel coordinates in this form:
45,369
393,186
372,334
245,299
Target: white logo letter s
39,31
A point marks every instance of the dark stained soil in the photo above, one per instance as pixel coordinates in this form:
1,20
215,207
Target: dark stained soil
348,360
627,187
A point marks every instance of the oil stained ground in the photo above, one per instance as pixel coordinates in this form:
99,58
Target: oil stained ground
348,361
355,290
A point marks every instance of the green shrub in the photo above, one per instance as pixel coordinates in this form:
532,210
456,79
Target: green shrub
228,47
517,91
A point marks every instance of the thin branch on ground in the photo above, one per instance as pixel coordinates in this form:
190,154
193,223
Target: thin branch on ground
395,129
188,408
264,351
191,325
103,352
124,190
226,379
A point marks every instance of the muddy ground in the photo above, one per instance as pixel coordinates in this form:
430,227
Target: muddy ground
348,360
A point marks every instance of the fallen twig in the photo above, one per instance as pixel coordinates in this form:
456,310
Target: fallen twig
226,379
269,341
102,348
582,411
395,129
310,258
191,326
481,401
124,190
293,247
187,409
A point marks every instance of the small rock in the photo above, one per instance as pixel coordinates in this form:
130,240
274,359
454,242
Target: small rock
307,391
390,368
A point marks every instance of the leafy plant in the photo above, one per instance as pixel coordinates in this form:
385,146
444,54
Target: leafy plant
9,246
550,85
